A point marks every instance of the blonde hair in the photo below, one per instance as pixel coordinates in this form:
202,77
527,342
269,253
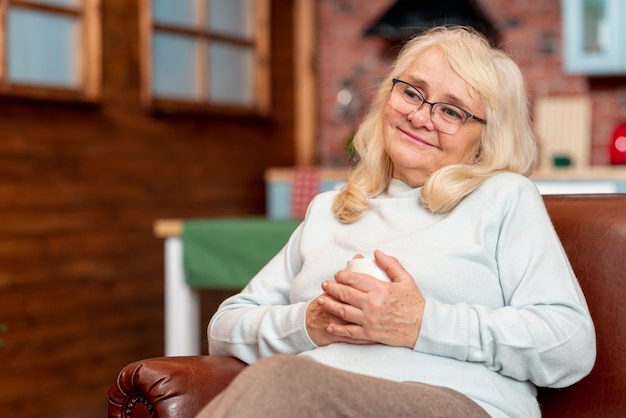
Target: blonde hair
506,142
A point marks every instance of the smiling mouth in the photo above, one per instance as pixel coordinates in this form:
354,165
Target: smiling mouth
414,139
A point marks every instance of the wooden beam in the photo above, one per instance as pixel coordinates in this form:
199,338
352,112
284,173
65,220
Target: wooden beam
305,97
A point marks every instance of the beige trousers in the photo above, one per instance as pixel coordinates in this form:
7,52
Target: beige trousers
286,386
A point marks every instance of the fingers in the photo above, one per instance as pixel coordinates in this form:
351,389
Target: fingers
341,310
320,322
347,330
351,332
391,266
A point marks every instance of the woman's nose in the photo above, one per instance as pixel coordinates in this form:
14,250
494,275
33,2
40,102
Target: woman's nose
421,116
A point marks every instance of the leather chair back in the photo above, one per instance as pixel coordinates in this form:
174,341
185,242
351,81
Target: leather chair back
592,229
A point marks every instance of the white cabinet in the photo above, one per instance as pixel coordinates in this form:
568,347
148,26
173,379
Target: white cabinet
594,36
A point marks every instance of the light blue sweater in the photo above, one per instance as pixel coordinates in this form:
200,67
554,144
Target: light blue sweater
503,313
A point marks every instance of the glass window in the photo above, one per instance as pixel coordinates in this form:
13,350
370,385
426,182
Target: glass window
595,26
41,49
50,47
231,17
173,61
179,12
209,53
230,74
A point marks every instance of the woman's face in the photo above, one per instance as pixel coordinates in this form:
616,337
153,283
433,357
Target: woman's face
418,149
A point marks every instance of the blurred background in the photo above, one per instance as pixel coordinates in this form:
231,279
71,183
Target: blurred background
117,113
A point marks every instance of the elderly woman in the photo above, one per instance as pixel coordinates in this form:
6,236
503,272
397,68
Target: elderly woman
482,304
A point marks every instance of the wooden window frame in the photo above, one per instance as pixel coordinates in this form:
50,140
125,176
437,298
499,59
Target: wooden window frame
261,48
90,58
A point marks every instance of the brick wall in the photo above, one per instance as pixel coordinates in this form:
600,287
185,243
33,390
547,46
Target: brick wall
531,33
345,55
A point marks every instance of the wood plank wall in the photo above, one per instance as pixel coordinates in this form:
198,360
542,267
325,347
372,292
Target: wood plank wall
81,274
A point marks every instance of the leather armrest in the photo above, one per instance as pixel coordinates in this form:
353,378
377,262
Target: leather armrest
170,387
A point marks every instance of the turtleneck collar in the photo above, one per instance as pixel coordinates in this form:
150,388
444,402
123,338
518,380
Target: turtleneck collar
398,188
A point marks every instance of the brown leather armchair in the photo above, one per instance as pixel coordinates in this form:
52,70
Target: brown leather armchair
592,229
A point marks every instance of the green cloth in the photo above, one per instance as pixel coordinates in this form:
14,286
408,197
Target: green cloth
227,253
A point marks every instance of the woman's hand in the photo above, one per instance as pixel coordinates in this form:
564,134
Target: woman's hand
318,321
366,309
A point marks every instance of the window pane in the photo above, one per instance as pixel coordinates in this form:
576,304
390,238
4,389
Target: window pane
174,66
595,28
42,48
174,12
65,3
230,74
233,17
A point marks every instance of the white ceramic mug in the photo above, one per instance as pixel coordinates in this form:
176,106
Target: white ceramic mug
367,266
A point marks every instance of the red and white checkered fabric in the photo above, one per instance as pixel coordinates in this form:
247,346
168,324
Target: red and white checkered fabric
305,185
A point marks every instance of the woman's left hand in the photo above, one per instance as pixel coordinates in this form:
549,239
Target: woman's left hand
387,313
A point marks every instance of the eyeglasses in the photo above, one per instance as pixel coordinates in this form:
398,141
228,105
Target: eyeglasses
446,117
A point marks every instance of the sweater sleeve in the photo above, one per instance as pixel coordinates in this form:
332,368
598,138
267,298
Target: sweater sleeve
544,332
260,320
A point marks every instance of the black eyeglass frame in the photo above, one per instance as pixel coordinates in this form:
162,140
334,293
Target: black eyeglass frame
468,115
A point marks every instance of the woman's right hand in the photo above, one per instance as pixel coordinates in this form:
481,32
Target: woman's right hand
317,322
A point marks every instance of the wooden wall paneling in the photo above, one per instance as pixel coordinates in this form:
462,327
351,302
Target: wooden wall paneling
145,23
81,282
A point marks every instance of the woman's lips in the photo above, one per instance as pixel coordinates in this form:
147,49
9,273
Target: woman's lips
415,139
